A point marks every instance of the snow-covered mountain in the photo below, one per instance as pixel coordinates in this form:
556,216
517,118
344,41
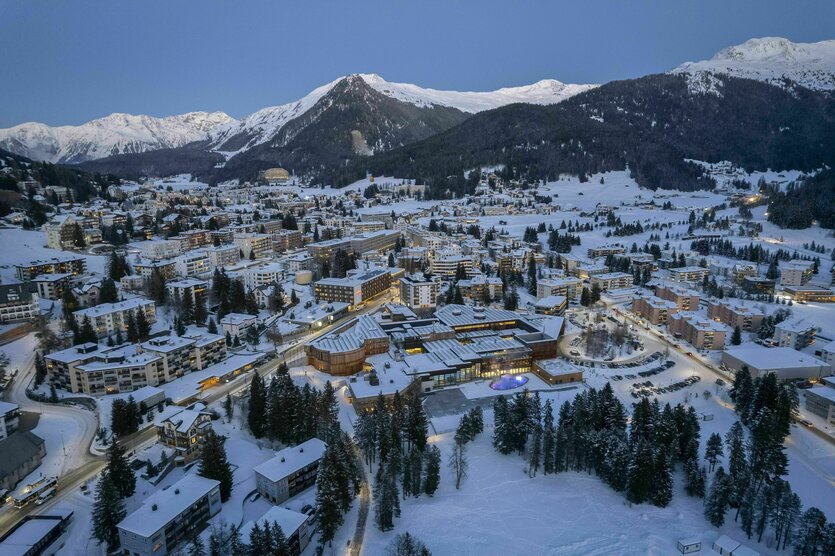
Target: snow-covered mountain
773,60
264,124
113,134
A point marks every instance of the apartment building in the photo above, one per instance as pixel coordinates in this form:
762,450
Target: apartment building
17,303
605,251
223,255
697,331
566,287
184,430
89,369
796,273
170,518
654,309
358,287
107,318
9,418
167,268
297,527
253,245
156,250
735,314
810,294
418,292
687,274
235,324
180,355
684,298
612,280
481,287
193,263
286,240
56,265
263,275
61,231
291,471
795,333
447,264
52,286
192,288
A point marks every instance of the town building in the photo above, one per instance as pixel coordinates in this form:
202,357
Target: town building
794,333
356,288
820,401
52,286
343,350
9,418
654,309
566,287
605,250
785,362
193,263
253,246
612,280
22,453
796,272
37,535
447,264
184,430
223,255
145,269
108,318
551,305
286,240
684,298
235,324
57,265
88,369
159,249
810,294
297,528
758,285
291,471
17,303
481,288
697,331
687,274
171,517
195,290
263,275
735,315
419,293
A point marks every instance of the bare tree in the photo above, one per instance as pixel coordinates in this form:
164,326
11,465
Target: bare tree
458,463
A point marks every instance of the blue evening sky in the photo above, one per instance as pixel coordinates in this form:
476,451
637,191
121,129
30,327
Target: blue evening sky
69,61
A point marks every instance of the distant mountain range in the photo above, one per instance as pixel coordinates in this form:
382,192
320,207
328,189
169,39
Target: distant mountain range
774,60
362,123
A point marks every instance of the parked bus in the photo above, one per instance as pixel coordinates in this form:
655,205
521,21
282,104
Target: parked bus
31,492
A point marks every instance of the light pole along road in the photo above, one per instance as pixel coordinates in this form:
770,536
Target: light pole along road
86,465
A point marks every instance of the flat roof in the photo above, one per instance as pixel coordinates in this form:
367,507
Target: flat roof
760,357
165,505
30,532
290,460
288,520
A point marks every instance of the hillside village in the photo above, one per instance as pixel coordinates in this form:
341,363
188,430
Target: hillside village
271,366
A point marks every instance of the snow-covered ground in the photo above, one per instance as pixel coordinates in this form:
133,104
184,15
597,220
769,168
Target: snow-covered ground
21,246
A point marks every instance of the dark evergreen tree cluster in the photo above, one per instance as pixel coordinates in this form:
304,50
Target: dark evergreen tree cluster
125,416
269,539
802,204
562,243
214,465
337,482
591,435
118,266
394,436
287,413
117,483
231,295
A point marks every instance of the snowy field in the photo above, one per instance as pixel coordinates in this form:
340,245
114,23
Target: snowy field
21,246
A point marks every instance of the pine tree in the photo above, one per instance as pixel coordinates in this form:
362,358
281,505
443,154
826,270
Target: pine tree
143,328
328,497
211,328
640,472
214,465
257,406
736,338
432,477
718,497
810,533
119,471
662,485
713,450
108,511
40,369
695,478
228,407
196,548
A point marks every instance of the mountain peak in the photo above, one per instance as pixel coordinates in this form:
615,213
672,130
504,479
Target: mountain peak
773,60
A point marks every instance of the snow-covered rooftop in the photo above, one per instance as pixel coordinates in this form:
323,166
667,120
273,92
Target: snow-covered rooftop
290,460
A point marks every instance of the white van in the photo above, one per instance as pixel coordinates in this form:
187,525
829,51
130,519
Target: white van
46,495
